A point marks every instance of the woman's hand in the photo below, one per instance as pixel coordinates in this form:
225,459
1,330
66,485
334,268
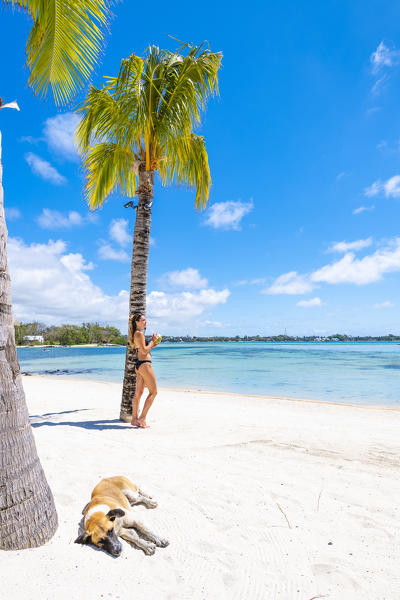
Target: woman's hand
154,337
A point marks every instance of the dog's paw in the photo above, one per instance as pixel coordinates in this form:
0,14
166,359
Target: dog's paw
163,543
149,549
152,504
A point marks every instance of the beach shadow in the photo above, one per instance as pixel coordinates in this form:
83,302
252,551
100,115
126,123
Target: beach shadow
63,412
99,425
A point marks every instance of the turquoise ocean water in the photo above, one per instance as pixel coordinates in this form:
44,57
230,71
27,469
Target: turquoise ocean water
342,372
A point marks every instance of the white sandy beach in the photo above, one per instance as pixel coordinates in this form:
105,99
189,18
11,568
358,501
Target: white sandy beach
220,466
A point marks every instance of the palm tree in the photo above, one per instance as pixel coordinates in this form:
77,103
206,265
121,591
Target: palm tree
63,46
140,122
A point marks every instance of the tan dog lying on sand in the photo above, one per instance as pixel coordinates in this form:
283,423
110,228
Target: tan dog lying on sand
109,515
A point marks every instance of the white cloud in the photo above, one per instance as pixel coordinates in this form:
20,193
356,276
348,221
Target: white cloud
387,148
259,281
107,252
340,175
369,269
384,57
53,219
290,283
12,214
119,231
30,139
178,308
227,215
44,169
372,111
310,303
76,262
386,304
59,132
52,286
212,324
379,84
187,278
391,187
361,209
349,269
373,189
241,282
346,246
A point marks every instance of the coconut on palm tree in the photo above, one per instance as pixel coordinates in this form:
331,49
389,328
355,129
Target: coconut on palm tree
139,123
63,46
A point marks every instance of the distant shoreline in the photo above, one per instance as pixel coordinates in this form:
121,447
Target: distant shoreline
395,342
49,346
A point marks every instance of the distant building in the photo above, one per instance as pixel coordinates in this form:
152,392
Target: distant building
33,338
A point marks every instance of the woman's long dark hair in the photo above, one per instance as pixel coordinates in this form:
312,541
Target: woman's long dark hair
132,327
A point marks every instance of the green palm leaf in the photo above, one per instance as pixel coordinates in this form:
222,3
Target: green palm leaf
108,166
64,44
188,163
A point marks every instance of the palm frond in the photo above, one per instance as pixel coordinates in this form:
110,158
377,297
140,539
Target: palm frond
190,80
64,44
128,79
127,91
102,118
108,166
186,162
152,79
106,117
29,6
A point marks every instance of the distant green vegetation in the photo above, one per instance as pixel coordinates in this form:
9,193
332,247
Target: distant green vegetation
337,337
93,333
69,335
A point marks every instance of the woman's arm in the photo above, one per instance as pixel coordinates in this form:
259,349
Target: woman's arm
141,342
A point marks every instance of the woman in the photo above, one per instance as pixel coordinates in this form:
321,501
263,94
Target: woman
145,376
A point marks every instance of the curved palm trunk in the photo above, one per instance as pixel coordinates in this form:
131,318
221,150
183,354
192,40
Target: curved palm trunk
28,516
137,298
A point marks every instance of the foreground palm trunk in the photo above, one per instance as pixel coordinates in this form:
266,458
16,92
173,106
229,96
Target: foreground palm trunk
28,516
137,298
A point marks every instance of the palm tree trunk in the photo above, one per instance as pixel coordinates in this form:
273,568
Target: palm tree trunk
137,298
28,516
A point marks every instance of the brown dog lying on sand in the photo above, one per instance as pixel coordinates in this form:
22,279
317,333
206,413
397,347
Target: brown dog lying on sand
109,515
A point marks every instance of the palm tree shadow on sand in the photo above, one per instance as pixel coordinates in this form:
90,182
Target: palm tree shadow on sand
96,424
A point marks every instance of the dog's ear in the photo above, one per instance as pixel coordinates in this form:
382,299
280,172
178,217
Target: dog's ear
116,512
82,539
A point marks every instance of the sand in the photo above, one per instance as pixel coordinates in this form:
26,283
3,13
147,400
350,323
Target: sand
261,498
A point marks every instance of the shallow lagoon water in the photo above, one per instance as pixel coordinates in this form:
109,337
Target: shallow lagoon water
360,373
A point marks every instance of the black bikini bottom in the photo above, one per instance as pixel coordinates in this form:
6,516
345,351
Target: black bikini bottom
141,362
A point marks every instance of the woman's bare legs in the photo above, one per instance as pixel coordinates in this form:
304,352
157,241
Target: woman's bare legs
136,399
149,380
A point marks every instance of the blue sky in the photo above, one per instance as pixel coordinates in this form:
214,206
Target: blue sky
302,229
